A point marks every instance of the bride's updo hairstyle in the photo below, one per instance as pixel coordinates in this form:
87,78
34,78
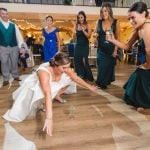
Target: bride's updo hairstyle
60,59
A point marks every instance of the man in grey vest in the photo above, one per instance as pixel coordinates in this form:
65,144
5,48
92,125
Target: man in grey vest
10,39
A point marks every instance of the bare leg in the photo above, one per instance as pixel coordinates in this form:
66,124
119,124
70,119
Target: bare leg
58,96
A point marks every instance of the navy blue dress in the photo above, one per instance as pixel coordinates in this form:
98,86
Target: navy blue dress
50,44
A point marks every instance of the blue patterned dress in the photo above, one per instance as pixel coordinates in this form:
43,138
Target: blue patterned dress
50,44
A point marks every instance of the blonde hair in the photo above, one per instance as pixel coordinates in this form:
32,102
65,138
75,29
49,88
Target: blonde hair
109,9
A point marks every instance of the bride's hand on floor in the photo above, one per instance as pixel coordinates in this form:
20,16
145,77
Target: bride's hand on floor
94,89
48,126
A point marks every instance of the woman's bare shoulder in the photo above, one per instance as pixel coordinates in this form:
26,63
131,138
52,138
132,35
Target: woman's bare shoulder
146,31
44,70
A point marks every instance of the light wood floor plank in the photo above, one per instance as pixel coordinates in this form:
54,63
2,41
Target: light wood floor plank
86,122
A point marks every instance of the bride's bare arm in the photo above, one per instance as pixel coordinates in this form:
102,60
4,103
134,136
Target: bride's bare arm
80,81
45,85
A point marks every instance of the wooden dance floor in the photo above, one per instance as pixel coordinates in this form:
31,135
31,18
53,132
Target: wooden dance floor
86,122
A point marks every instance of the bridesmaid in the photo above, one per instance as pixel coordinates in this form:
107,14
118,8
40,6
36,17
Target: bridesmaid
106,52
82,33
137,88
52,40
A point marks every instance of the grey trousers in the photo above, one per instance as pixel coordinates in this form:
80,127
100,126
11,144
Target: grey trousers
9,61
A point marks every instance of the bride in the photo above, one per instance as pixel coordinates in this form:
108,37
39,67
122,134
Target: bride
48,82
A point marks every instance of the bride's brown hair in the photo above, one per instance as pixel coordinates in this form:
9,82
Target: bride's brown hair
60,59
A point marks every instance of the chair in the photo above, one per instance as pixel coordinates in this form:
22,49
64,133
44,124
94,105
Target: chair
92,55
30,60
37,52
71,49
130,56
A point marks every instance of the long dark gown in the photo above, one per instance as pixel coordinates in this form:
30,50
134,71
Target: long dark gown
82,66
105,61
137,88
50,44
141,52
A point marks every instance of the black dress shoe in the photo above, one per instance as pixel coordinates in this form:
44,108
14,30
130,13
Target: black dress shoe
17,79
103,87
5,83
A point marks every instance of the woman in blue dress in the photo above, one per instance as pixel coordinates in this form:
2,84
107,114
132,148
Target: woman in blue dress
52,41
137,88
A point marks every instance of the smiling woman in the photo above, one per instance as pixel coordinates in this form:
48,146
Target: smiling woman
82,32
137,88
52,40
49,82
107,51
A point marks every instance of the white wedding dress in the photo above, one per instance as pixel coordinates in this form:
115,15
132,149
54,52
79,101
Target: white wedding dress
29,96
15,141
